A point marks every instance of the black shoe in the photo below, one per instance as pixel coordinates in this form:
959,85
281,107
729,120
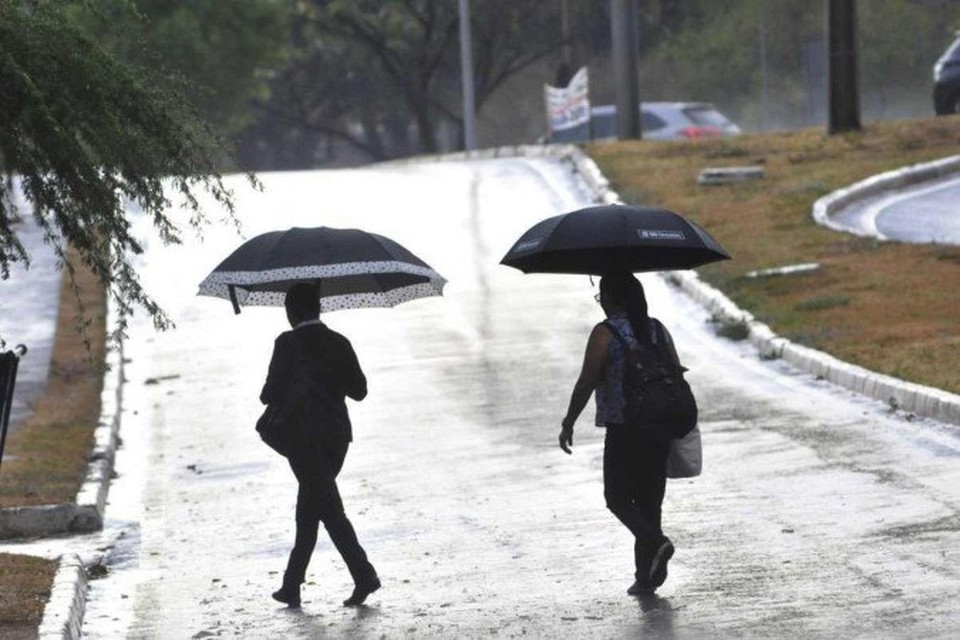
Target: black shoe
361,591
288,595
658,566
640,588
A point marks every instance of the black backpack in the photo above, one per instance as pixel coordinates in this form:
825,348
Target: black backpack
655,393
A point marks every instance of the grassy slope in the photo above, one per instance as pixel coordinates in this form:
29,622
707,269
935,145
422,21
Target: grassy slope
45,458
24,589
890,307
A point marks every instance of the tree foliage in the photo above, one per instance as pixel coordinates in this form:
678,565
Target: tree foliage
726,51
381,68
84,132
223,53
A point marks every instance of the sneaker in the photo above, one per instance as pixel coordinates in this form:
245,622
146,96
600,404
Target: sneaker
658,566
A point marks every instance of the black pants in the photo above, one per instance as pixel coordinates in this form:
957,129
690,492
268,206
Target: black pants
634,481
318,500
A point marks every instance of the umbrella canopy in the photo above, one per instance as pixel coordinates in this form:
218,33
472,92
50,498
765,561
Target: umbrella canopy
353,269
604,239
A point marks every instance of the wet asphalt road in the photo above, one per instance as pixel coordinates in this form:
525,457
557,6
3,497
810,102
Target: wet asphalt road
819,514
929,212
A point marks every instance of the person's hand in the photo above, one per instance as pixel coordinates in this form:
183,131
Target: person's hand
566,437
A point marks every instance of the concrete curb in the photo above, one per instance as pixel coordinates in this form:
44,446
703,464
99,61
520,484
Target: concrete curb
63,614
898,394
923,401
86,513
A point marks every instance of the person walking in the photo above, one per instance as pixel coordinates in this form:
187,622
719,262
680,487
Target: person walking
315,369
634,455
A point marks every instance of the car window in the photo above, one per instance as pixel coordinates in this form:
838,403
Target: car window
706,117
651,122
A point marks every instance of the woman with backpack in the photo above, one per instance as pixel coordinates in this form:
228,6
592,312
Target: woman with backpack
636,445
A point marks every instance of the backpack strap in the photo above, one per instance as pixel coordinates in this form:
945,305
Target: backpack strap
616,334
656,331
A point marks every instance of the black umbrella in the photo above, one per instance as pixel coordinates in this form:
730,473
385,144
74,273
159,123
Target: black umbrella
353,269
603,239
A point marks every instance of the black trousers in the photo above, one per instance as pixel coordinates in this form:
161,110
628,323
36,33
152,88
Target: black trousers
634,481
318,500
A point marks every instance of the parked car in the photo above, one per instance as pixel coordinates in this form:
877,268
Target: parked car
658,121
946,80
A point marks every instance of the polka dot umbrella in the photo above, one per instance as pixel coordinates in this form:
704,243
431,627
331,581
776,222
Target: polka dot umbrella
353,269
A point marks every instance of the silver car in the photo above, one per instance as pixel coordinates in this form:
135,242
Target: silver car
658,121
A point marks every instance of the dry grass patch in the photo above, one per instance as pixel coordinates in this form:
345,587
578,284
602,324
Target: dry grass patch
893,308
25,584
46,456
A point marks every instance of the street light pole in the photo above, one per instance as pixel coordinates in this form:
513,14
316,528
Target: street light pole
623,25
466,79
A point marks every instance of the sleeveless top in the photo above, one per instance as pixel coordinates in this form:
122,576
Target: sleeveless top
609,392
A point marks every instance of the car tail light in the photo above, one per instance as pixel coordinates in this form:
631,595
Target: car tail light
700,132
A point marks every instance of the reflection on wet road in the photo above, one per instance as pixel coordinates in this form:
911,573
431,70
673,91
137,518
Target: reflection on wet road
819,514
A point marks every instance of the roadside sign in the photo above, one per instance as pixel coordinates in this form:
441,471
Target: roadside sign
569,106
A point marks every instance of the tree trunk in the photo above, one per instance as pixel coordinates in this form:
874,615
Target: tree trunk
844,111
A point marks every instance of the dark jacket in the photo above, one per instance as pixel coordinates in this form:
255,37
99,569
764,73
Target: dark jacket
326,370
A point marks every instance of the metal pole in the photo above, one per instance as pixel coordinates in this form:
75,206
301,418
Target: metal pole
623,25
566,50
844,87
466,79
764,75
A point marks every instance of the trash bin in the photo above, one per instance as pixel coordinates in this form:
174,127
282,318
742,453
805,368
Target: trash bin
8,378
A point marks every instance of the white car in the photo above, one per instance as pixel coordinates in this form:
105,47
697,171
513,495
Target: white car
658,121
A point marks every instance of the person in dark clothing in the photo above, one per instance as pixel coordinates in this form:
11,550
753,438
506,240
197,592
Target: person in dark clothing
322,365
634,455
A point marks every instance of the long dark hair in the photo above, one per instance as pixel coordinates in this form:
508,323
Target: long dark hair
625,291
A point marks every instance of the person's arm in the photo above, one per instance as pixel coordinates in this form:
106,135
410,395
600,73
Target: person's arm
276,374
355,382
594,364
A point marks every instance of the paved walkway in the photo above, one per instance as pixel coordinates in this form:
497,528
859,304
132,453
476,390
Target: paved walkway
819,514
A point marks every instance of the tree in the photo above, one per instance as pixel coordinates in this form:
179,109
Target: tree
400,61
223,53
843,77
84,131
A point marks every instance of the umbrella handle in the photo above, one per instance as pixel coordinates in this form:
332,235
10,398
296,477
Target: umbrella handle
233,299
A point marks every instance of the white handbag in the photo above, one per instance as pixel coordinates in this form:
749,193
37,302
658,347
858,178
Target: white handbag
685,458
